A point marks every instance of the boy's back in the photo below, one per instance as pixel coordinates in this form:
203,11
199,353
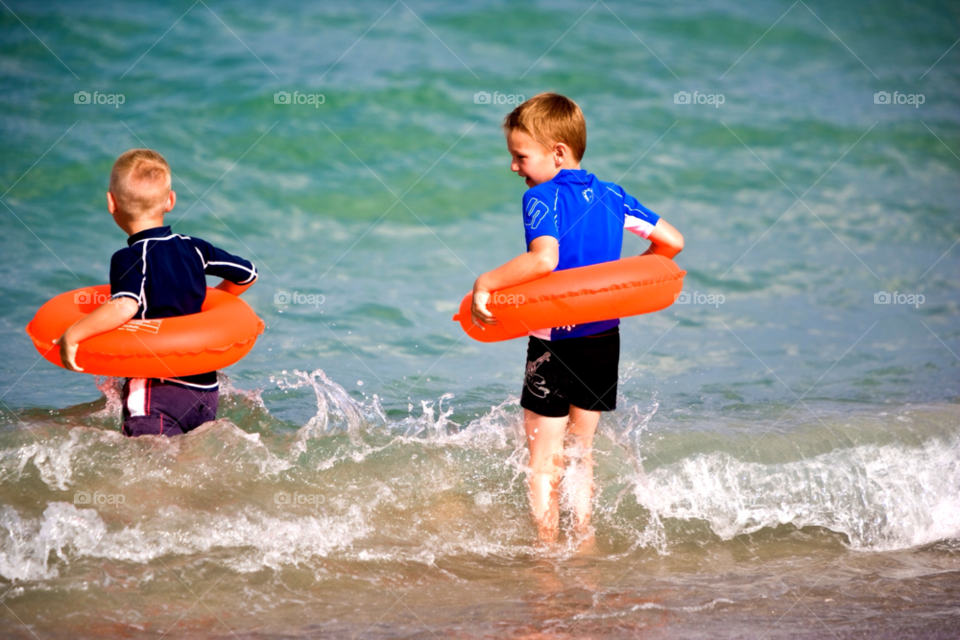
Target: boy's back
158,275
165,273
587,217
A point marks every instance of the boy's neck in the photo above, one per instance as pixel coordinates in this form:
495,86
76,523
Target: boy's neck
134,227
575,166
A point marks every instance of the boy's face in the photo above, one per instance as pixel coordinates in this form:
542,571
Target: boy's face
531,160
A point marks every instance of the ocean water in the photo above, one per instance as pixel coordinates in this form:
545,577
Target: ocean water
785,457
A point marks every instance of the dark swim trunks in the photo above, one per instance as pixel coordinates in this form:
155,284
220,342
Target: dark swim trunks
157,408
581,372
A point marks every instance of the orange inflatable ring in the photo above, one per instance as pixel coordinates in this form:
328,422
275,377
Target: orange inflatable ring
605,291
222,333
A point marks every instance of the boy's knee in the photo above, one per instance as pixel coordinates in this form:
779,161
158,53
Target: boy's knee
548,464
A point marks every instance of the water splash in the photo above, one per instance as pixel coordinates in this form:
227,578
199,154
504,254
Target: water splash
35,548
112,389
881,497
428,486
332,401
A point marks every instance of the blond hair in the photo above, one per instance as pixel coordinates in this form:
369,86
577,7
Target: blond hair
550,118
140,183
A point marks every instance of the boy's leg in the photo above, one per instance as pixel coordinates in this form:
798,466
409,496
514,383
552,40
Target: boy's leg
583,426
545,413
545,439
144,403
158,408
594,363
204,409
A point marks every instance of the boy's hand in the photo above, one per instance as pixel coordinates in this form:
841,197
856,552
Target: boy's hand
541,259
106,317
68,353
235,289
664,240
478,309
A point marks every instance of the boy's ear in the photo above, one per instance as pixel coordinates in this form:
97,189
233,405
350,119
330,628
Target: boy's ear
560,153
171,201
111,203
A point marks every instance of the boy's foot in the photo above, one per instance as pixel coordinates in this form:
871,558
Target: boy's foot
587,546
547,536
585,540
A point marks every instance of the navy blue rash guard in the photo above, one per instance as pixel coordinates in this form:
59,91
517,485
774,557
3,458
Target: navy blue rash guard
166,274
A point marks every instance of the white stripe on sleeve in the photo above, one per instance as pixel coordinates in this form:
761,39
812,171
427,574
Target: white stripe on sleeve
252,272
638,226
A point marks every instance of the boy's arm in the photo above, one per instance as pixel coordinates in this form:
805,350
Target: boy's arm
235,289
238,274
106,317
637,219
541,259
664,240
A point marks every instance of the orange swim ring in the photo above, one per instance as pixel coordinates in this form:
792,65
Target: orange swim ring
605,291
222,333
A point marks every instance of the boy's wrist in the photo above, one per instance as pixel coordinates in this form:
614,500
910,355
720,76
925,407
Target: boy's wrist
480,286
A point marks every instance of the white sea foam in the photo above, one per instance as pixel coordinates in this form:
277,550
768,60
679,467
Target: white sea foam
881,497
32,549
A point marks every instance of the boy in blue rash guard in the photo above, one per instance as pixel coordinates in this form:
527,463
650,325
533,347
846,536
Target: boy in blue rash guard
159,274
571,219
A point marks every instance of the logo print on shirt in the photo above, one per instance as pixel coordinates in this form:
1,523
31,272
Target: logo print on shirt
535,213
588,195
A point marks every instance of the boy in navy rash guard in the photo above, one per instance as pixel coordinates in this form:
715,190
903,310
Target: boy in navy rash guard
571,219
158,275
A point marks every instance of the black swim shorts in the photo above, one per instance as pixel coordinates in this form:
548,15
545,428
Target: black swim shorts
576,371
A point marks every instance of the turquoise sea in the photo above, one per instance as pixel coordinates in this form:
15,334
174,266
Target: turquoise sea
785,458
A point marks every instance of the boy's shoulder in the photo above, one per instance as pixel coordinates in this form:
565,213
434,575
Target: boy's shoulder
576,180
541,191
141,244
573,188
126,255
